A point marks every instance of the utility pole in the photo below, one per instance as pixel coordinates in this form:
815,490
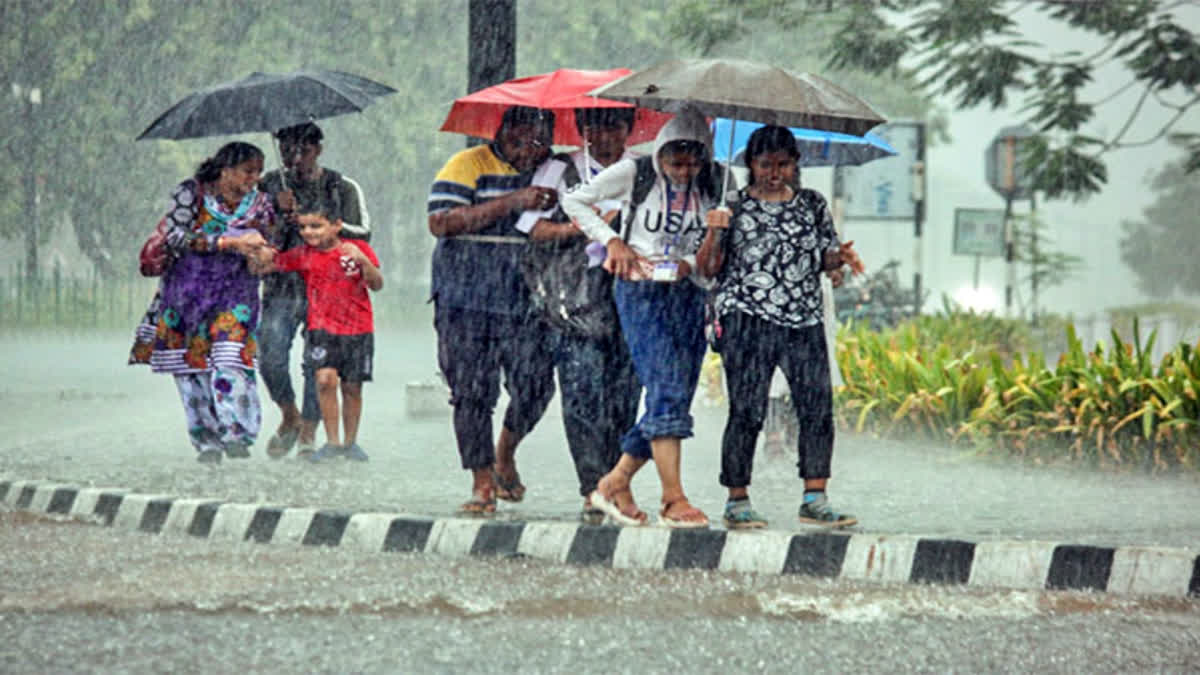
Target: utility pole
30,98
491,45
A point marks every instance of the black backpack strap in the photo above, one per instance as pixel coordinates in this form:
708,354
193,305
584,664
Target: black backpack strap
643,180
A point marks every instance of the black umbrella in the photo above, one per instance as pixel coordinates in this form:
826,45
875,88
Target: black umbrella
266,102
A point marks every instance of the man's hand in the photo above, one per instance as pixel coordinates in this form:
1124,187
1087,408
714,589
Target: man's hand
535,198
287,203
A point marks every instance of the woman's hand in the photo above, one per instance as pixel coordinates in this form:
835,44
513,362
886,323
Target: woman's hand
850,257
623,262
718,218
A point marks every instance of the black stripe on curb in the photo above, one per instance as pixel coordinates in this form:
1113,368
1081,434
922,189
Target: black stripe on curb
497,539
593,545
942,561
1080,568
4,485
262,525
1194,584
407,535
817,555
107,506
694,549
202,519
326,528
62,500
155,515
26,496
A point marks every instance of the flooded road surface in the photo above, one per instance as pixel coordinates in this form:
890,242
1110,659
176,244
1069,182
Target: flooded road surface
74,412
77,597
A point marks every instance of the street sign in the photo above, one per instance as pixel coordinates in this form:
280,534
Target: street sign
1002,165
979,232
885,189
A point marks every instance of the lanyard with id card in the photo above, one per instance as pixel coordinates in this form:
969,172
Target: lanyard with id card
667,270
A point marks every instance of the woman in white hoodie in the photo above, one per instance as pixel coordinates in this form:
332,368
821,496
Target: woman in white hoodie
659,299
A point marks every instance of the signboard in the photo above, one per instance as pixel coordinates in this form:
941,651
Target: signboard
979,232
1003,166
883,189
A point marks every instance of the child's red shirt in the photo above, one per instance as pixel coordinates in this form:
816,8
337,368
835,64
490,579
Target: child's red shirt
337,304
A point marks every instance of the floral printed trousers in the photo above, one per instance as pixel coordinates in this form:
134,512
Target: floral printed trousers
221,406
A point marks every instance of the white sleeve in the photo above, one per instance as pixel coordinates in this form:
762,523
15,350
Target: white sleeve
364,228
614,182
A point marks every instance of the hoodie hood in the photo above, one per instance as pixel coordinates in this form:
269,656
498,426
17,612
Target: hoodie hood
687,125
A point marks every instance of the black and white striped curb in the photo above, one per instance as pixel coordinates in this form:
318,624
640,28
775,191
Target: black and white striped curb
831,554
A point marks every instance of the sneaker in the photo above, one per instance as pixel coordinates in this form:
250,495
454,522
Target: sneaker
209,457
326,453
237,451
740,515
354,452
305,450
819,512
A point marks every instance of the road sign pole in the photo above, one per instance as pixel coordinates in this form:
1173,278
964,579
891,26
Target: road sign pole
1010,249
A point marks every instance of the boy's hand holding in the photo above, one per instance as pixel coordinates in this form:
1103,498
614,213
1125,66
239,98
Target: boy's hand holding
352,259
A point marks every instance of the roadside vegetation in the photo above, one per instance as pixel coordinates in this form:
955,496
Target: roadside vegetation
964,378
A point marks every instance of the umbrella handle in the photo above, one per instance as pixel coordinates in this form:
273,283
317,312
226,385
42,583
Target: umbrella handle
729,165
282,168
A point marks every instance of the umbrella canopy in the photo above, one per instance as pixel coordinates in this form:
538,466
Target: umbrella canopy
817,148
266,102
745,90
478,114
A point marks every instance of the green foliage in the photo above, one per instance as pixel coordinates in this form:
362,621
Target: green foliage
1161,249
969,49
106,70
1104,407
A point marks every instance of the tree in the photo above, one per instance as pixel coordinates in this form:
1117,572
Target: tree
971,49
1046,267
1162,249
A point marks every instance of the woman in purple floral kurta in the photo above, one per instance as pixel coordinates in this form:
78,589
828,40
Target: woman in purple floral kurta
201,326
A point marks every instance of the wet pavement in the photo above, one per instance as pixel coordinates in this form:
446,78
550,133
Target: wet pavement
124,601
74,413
80,598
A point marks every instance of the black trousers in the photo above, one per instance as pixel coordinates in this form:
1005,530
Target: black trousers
473,349
751,349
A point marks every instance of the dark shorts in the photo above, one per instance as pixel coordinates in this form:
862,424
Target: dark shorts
350,355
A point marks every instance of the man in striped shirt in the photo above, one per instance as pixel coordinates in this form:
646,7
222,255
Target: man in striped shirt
482,311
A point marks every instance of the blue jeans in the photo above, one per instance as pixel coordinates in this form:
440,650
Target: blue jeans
663,325
283,312
599,400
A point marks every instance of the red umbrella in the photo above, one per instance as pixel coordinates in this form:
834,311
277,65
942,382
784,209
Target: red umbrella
562,91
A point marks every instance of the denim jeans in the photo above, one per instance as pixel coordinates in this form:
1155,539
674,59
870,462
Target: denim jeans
283,311
751,348
599,400
473,349
663,325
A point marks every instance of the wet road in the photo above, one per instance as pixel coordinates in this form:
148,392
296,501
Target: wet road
73,412
78,598
74,594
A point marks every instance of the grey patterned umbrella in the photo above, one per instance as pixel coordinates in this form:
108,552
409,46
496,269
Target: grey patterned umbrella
266,102
745,90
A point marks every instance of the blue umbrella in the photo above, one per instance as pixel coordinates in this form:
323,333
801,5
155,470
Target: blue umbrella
817,148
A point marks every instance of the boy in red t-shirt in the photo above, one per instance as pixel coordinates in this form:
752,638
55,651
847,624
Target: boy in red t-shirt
340,327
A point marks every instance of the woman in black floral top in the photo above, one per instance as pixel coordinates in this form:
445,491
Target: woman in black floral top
767,256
